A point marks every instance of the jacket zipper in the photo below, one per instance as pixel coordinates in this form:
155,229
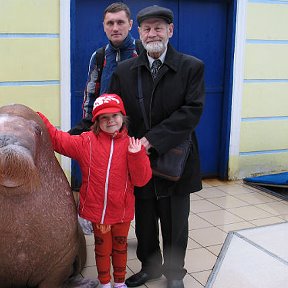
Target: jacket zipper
118,56
107,181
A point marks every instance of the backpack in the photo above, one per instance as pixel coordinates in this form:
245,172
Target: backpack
100,56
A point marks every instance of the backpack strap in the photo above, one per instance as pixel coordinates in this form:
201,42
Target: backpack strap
138,46
100,56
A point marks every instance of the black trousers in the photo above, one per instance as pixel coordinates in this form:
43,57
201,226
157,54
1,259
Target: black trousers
173,213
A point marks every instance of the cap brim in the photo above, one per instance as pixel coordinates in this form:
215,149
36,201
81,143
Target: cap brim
166,19
106,111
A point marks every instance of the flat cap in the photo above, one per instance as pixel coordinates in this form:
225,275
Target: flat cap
155,12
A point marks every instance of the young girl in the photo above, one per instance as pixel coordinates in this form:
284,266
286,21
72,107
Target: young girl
111,163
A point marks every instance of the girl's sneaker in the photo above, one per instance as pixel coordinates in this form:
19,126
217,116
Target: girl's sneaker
108,285
120,285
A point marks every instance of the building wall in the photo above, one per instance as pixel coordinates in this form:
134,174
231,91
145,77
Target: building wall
29,55
263,139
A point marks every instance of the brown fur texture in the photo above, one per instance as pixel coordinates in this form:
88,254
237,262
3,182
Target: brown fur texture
41,243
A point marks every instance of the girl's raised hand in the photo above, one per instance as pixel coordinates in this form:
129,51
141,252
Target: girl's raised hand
134,145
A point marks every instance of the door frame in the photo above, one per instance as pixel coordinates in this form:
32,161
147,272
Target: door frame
65,76
237,87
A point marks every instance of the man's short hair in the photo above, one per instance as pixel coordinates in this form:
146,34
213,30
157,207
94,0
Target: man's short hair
117,7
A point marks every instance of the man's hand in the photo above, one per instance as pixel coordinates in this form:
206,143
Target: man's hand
146,144
134,145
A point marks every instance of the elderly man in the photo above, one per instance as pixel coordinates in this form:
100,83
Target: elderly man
173,95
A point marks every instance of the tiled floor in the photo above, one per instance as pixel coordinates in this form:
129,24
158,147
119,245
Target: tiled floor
217,209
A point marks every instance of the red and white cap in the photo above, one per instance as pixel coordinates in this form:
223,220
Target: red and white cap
107,103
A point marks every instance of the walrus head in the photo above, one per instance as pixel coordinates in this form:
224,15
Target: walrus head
18,144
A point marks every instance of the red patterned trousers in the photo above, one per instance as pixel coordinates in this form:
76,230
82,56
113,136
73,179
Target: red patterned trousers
111,246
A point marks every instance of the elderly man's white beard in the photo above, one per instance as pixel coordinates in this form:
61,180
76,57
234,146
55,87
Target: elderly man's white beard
155,47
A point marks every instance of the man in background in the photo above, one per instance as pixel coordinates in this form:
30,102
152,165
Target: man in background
117,24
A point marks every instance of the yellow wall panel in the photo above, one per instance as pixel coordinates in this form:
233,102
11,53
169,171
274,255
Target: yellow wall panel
265,99
264,135
266,61
39,98
262,164
29,59
267,21
29,16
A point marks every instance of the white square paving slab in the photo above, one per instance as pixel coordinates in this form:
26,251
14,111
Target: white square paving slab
253,258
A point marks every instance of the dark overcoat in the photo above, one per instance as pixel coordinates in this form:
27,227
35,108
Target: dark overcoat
174,103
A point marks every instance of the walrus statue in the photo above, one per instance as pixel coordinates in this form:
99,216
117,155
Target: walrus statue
41,243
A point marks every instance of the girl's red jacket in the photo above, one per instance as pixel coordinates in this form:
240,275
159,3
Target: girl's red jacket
109,172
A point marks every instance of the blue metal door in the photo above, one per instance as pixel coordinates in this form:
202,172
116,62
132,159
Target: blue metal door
203,28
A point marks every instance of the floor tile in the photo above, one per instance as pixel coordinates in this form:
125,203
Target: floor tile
202,205
220,217
228,202
269,195
208,236
202,276
159,283
192,244
129,272
90,256
285,217
132,245
194,197
196,222
215,249
90,272
275,208
267,221
189,282
214,182
131,234
235,189
250,212
89,240
211,192
236,226
254,198
197,260
134,265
